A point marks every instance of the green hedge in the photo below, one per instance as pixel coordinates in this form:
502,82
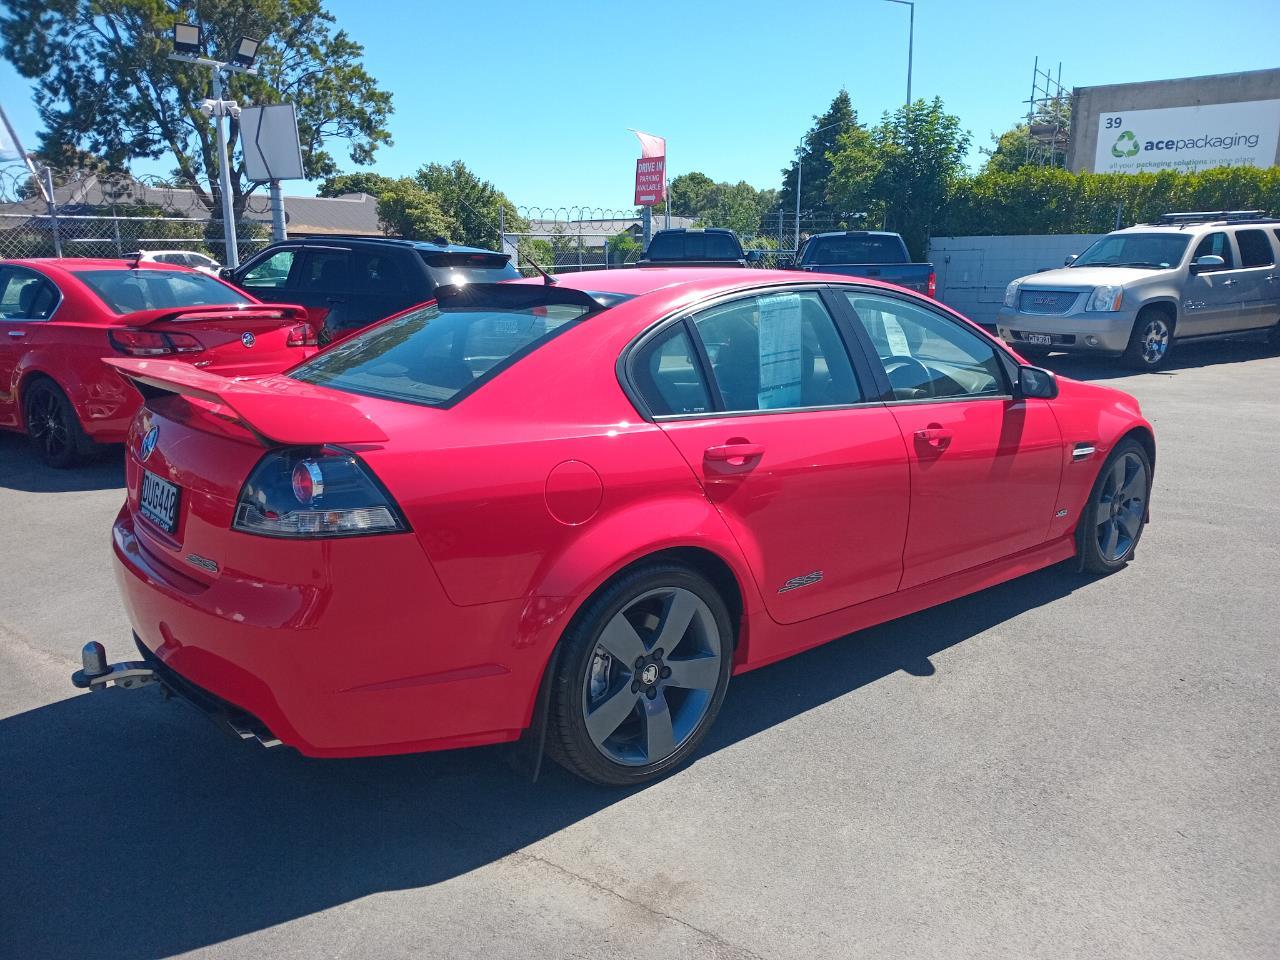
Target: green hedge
1035,200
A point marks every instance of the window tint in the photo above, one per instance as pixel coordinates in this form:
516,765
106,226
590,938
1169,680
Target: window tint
775,351
855,249
379,272
668,375
327,270
693,246
26,296
1215,244
272,272
428,355
927,356
125,291
1255,248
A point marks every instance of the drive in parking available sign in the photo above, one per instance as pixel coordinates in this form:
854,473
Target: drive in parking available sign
1189,138
650,181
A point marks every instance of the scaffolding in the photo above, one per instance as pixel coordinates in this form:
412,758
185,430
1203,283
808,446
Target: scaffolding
1048,118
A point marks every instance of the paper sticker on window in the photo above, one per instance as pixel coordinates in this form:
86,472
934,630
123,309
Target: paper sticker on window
898,345
780,342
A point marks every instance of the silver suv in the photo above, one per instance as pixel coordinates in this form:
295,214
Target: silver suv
1188,276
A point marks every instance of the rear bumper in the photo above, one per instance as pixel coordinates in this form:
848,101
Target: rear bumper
1084,332
355,652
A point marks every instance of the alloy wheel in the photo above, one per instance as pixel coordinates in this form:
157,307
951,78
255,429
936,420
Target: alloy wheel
652,677
1155,340
47,425
1122,503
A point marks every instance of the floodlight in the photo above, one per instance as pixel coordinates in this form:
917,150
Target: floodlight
246,51
186,38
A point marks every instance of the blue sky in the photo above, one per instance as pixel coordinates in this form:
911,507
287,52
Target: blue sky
537,96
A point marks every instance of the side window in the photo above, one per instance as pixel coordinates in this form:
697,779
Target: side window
927,356
1218,245
327,270
1255,248
777,350
26,296
668,374
271,273
379,272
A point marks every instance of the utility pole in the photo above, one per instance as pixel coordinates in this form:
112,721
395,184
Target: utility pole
911,40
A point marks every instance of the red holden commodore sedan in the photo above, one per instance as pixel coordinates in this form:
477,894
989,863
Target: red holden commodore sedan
58,318
570,513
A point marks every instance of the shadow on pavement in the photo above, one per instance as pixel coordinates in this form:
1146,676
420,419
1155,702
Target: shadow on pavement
1185,356
20,469
132,827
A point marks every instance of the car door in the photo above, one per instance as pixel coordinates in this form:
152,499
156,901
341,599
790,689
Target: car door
27,301
1211,301
805,465
380,286
267,275
1257,275
322,284
985,465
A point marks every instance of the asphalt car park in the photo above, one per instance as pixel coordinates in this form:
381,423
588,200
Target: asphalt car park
1057,766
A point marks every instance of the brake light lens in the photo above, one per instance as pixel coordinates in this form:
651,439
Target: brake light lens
148,343
309,494
933,284
301,335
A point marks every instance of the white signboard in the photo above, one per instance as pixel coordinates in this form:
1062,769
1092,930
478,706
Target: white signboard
1189,138
269,139
780,344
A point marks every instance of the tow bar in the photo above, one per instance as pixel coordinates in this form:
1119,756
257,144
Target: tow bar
97,674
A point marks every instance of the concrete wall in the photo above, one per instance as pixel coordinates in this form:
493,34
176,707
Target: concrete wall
973,271
1088,103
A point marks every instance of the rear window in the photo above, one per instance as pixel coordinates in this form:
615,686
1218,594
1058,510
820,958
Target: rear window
432,356
693,246
457,268
124,291
866,249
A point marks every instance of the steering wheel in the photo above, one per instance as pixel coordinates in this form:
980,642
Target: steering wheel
898,364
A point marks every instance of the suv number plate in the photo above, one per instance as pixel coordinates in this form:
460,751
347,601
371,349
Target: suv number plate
1043,339
159,501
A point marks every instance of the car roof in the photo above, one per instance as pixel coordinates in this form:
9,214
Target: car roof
78,264
427,246
693,230
637,281
854,233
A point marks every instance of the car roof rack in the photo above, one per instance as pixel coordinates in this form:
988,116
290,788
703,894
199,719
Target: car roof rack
1213,216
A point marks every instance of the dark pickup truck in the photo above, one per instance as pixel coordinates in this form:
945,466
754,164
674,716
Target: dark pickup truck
866,253
688,247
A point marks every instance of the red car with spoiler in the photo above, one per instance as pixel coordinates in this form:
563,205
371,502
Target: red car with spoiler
60,318
565,514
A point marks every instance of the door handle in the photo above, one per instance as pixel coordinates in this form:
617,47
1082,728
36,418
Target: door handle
17,333
734,454
335,300
937,437
1229,283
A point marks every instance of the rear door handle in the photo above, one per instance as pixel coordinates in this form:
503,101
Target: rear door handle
1228,283
17,333
734,454
934,436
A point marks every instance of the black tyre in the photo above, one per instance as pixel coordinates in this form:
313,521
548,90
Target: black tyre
1116,513
52,425
1273,338
1150,342
641,675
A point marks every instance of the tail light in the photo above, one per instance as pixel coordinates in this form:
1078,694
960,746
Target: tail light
933,284
148,343
301,335
307,494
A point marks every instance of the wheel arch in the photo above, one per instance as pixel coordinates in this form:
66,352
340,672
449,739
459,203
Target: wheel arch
26,379
1166,305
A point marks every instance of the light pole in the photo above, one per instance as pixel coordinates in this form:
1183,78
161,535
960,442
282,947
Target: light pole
800,173
911,40
186,49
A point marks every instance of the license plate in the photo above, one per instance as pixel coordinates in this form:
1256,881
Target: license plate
1043,339
159,501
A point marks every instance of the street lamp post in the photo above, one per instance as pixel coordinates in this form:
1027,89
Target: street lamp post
800,173
187,46
911,40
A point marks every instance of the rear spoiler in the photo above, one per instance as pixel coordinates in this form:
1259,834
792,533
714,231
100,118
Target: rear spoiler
247,311
302,416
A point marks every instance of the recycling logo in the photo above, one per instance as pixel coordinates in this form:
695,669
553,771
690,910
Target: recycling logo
1126,145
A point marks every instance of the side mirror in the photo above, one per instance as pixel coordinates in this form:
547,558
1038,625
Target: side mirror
227,274
1210,261
1071,258
755,256
1037,383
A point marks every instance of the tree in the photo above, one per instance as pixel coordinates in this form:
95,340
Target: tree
905,171
103,83
737,206
406,210
1042,142
624,248
818,143
473,204
688,195
361,182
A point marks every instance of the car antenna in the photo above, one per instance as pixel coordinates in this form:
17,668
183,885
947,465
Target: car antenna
133,259
547,279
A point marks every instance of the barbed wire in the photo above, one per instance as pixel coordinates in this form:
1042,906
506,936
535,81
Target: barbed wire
98,190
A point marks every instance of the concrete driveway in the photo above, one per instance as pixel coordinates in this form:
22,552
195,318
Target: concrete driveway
1056,767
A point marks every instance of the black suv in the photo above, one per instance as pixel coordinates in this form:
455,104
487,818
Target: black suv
350,282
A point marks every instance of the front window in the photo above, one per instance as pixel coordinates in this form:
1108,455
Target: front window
1156,251
432,356
271,273
124,291
1215,245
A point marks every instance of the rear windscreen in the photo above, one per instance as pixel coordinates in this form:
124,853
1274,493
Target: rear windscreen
124,291
458,268
693,246
431,356
868,249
